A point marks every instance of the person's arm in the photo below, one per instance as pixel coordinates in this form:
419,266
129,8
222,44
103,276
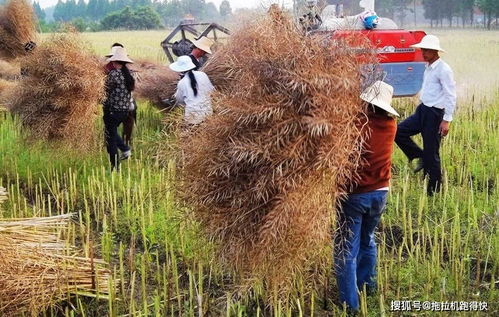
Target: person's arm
449,91
180,94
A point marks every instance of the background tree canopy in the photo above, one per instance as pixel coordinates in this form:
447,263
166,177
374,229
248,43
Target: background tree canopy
114,14
88,14
141,18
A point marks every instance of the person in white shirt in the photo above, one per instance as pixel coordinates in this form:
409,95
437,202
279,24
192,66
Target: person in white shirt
432,117
193,91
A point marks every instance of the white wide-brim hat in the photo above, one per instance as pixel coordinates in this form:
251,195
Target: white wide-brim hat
380,94
183,64
429,42
113,51
120,55
204,44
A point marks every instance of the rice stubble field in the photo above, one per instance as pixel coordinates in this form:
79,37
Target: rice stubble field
440,249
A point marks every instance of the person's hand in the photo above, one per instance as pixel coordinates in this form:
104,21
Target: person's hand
443,130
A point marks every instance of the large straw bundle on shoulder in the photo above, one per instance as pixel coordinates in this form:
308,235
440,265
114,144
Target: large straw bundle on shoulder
6,87
263,172
9,70
38,269
17,28
58,96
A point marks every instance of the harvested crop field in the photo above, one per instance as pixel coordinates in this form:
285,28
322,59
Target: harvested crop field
437,249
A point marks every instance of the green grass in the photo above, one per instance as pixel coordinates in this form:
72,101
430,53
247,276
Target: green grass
441,249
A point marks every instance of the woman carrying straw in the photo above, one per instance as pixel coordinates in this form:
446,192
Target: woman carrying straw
355,247
193,91
131,120
119,86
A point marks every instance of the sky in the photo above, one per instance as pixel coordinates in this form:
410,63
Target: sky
235,4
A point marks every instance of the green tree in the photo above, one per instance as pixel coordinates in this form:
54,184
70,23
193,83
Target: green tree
71,10
92,9
394,9
433,11
60,11
81,8
80,24
211,12
450,9
490,8
194,7
465,8
39,11
146,18
141,18
172,12
102,8
225,9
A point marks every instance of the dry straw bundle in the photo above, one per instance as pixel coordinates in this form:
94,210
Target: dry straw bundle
6,87
263,172
57,98
35,270
17,28
9,71
155,82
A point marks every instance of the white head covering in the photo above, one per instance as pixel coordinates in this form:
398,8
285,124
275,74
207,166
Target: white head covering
430,42
183,64
113,51
119,55
204,44
380,94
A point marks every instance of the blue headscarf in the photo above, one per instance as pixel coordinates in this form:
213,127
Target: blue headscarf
370,22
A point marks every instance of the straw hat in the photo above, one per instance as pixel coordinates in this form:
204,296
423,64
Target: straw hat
183,64
204,44
119,55
113,51
430,42
380,94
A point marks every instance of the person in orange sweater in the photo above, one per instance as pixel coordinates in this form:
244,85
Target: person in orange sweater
360,212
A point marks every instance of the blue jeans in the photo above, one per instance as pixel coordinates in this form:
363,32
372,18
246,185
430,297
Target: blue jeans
355,248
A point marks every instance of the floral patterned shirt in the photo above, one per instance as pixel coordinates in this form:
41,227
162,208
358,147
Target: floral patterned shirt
117,95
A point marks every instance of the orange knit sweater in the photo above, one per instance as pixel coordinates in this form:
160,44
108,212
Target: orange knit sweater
375,169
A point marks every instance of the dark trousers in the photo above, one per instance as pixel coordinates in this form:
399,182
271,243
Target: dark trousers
426,120
112,120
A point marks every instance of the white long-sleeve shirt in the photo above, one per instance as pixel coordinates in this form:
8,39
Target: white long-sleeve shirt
439,88
196,107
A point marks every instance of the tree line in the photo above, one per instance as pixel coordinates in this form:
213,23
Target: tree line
439,12
130,14
147,14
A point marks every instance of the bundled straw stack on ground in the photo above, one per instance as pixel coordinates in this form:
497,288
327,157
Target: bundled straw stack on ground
36,271
263,172
155,82
17,28
57,99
